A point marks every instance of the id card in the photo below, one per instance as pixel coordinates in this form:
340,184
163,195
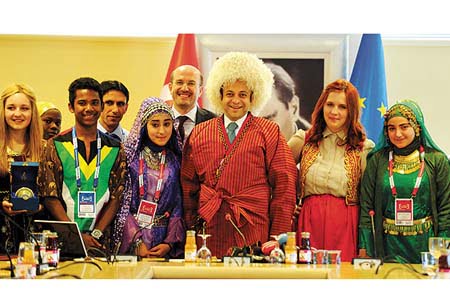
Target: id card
146,213
403,212
86,204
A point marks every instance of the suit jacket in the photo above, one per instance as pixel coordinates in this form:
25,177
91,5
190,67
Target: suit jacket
203,115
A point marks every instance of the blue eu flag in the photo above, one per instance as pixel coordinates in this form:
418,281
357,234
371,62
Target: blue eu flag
369,78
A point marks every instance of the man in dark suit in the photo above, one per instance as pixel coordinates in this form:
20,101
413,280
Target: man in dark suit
186,86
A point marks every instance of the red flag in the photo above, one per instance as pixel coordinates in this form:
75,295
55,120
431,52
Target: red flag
184,53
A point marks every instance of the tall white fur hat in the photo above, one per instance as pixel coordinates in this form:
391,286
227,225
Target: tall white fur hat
243,66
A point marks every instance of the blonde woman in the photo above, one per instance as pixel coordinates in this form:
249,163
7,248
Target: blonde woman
21,134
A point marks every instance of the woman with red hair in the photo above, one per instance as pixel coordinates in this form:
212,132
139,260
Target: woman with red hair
332,157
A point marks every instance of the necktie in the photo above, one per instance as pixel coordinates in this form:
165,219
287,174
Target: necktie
231,128
181,120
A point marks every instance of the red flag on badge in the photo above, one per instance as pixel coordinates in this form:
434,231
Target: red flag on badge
184,53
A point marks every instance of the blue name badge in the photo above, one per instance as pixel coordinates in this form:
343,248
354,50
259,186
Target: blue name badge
86,204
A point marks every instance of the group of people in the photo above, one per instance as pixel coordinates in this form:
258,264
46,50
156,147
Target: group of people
182,167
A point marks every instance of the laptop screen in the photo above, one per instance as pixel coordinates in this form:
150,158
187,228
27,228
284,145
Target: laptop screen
70,241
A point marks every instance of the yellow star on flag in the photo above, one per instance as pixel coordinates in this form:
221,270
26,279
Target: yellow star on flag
361,102
382,109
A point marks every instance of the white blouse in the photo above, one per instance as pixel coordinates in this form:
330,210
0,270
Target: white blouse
327,174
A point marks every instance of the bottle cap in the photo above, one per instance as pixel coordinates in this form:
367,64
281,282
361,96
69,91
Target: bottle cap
305,235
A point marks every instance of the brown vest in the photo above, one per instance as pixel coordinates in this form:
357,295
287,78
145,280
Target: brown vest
352,162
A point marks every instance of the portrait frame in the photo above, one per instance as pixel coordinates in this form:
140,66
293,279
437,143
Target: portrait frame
305,76
332,48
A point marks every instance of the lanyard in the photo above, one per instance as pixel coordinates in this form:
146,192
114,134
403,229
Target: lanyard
418,179
160,178
77,161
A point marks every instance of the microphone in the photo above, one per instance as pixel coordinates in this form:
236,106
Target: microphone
296,214
373,262
11,267
40,267
371,214
244,249
133,248
116,250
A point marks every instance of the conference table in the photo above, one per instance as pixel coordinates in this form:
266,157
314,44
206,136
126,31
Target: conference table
178,269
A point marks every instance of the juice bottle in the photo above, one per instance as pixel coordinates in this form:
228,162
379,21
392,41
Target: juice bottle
190,248
290,250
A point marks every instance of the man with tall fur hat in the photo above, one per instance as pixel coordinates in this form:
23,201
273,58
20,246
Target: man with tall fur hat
237,168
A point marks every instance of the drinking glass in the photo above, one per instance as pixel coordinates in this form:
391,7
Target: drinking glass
26,253
447,243
204,254
334,257
276,255
436,246
26,261
427,260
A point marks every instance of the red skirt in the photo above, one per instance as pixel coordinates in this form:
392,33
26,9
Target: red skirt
333,225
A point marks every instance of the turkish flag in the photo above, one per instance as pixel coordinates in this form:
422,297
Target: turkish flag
184,53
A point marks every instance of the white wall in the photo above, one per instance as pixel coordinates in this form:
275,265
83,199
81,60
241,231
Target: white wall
420,70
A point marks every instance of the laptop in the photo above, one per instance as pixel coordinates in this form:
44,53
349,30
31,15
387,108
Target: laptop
69,238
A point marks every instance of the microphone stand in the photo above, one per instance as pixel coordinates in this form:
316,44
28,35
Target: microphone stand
372,213
244,249
238,256
40,268
374,262
116,251
11,267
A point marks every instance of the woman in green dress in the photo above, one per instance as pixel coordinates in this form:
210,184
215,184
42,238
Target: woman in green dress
405,192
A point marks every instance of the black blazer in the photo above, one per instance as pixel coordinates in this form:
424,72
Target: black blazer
203,115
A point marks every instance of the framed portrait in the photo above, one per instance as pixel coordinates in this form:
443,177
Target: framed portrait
305,75
308,61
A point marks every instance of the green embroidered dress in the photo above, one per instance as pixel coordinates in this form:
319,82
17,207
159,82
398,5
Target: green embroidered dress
431,207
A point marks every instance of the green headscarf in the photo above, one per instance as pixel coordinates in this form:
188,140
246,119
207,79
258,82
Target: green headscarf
412,112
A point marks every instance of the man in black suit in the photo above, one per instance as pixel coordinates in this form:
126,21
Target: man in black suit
186,86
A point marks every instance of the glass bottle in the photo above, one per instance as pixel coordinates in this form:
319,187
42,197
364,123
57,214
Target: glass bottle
40,248
277,256
290,250
190,248
26,254
52,249
304,254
